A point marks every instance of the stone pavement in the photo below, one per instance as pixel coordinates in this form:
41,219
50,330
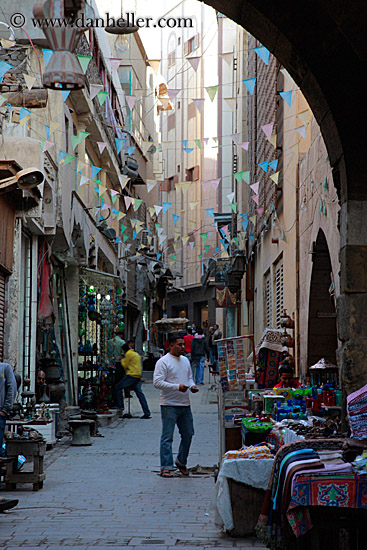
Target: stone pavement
109,495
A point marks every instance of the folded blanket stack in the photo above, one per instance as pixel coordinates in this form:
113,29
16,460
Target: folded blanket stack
357,413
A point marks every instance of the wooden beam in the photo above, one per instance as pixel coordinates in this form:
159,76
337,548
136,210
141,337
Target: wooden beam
30,99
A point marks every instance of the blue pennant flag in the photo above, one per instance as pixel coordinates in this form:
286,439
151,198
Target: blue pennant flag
287,96
94,171
65,94
244,215
134,235
184,141
210,211
130,150
250,84
188,150
159,255
23,113
61,156
217,249
4,67
166,206
264,165
274,165
47,54
119,144
263,53
244,224
175,218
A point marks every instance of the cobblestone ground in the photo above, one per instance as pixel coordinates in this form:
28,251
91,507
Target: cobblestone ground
109,495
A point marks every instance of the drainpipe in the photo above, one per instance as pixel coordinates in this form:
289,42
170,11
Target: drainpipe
297,332
33,305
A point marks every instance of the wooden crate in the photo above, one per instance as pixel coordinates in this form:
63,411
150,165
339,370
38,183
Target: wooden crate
246,504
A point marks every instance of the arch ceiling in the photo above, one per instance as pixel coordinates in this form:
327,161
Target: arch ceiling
322,45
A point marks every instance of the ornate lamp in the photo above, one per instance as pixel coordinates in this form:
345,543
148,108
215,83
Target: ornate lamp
63,71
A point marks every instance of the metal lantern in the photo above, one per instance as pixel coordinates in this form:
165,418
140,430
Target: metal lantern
63,71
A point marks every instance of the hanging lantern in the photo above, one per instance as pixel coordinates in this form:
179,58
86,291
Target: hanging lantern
63,71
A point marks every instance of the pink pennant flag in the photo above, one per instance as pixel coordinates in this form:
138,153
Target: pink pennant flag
94,90
114,193
268,129
236,137
47,145
101,146
105,207
215,182
194,62
128,201
255,187
130,100
255,198
206,185
244,145
173,93
199,103
115,63
260,211
205,140
225,229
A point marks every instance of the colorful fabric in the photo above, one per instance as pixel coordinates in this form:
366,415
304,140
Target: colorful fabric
357,412
257,452
267,367
342,490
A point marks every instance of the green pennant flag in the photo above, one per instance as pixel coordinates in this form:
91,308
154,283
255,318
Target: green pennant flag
137,204
212,91
246,176
204,236
102,96
174,257
123,227
207,246
42,143
200,256
125,237
233,205
235,239
157,225
198,142
238,176
68,159
84,61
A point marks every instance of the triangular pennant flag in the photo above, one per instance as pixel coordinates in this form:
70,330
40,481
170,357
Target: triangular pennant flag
194,62
244,145
275,177
2,98
236,137
199,103
47,54
268,129
119,144
260,210
210,211
255,187
4,67
198,142
172,94
287,96
193,205
225,229
151,211
188,150
61,156
47,131
128,201
253,219
150,185
137,204
303,117
54,126
264,165
130,100
231,197
125,237
155,64
94,170
65,94
273,140
250,84
47,145
29,80
6,44
274,164
166,206
191,244
234,207
215,183
255,198
207,247
101,146
84,61
23,113
123,181
263,53
227,57
83,180
302,131
68,159
94,90
238,176
115,63
231,102
102,96
204,236
123,228
175,218
212,91
184,240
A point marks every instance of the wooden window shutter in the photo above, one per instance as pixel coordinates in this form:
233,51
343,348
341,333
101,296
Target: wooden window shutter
279,296
268,302
166,185
196,174
2,313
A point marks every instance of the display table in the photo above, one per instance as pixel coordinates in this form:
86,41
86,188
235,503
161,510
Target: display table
250,473
34,451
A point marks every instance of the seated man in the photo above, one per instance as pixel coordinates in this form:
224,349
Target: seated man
132,379
286,376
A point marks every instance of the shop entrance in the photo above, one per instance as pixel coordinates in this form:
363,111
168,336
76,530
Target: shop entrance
322,334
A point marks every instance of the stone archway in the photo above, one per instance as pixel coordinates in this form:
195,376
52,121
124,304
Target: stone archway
323,47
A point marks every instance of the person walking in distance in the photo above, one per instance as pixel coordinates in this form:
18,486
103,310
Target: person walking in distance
217,335
116,344
173,376
199,349
132,379
8,391
188,338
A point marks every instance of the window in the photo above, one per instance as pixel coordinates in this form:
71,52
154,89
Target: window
268,301
171,58
193,174
279,303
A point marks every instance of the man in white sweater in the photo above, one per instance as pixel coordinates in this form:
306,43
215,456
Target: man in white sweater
173,376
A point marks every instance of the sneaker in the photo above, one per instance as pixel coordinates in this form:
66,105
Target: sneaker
7,504
146,416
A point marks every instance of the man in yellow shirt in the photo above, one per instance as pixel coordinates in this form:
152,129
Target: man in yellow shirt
132,379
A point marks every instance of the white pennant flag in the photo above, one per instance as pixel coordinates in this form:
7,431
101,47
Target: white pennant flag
155,64
83,180
194,62
130,100
227,57
128,201
231,102
150,185
173,93
231,197
29,80
199,103
94,89
123,181
158,209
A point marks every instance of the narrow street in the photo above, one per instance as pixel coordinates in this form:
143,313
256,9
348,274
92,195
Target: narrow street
110,496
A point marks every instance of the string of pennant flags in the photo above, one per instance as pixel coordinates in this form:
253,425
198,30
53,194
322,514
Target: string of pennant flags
93,180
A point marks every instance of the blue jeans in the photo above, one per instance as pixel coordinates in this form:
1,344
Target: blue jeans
182,416
135,385
198,369
2,430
